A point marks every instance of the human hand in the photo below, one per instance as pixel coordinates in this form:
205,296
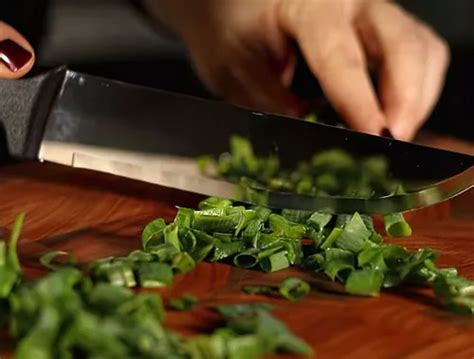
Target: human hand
243,51
16,54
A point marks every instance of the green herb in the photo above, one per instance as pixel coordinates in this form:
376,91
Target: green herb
10,271
47,259
291,288
266,333
77,315
294,289
396,226
184,303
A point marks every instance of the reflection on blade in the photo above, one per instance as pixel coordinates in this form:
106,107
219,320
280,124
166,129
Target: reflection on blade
183,173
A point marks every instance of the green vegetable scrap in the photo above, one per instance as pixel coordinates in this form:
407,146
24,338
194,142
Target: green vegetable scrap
291,288
183,303
68,314
10,272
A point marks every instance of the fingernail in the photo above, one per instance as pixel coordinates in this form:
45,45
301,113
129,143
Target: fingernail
13,55
386,133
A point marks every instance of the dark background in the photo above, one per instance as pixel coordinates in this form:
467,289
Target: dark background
112,39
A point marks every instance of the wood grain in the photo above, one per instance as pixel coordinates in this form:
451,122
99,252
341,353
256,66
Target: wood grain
94,215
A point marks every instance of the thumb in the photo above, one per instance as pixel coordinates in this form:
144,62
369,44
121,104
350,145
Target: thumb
16,54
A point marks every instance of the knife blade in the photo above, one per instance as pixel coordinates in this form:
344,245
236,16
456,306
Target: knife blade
84,121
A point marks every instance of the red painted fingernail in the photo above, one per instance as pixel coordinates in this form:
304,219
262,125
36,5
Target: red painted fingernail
386,133
13,55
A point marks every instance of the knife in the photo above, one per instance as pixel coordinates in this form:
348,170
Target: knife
83,121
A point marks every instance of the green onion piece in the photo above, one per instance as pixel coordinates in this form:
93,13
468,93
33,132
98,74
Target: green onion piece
319,220
364,281
204,245
205,163
294,288
368,222
184,303
140,256
342,220
274,262
296,216
171,235
3,254
47,259
105,297
164,252
329,241
231,311
214,202
183,263
8,279
153,233
262,213
283,227
12,256
315,262
376,238
245,217
247,259
333,161
252,232
154,275
184,217
455,291
275,336
243,157
187,239
223,250
373,257
243,346
117,273
337,261
355,236
210,222
260,290
39,342
396,226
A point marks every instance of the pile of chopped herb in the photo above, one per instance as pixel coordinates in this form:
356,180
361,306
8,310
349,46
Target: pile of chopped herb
344,247
332,172
68,314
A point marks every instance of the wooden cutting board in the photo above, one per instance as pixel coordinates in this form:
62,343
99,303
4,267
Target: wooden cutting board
93,215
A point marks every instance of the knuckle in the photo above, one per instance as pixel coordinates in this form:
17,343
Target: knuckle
340,51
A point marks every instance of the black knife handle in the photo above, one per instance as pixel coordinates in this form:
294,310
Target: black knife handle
24,108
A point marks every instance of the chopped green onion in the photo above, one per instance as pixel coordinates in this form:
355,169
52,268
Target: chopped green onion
184,303
260,290
396,226
294,288
12,256
153,233
364,281
47,259
247,259
154,275
274,262
183,263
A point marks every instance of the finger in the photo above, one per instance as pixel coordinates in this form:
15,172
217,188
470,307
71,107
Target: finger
435,71
16,54
403,53
255,84
331,48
